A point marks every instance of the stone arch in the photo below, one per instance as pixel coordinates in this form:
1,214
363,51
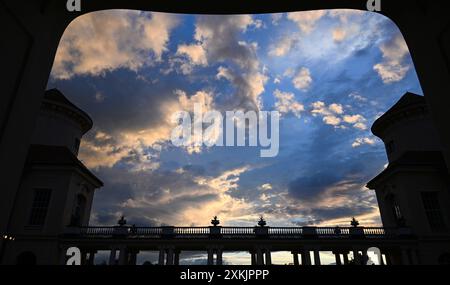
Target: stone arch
35,30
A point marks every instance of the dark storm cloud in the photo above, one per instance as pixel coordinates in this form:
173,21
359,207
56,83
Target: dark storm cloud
128,103
320,215
309,187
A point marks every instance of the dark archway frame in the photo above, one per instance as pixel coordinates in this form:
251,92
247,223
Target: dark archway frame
34,28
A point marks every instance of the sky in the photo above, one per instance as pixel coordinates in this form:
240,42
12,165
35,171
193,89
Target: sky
330,74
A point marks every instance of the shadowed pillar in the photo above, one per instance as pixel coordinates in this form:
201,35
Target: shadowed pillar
133,257
112,257
337,257
161,256
210,256
405,256
259,257
345,258
306,258
219,257
123,256
176,257
268,257
170,256
253,257
91,257
316,257
356,257
296,260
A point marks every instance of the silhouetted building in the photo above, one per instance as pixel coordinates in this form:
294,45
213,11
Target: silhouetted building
414,190
56,189
54,200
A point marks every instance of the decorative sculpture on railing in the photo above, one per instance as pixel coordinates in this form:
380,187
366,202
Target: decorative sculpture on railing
261,230
354,223
215,222
122,222
262,222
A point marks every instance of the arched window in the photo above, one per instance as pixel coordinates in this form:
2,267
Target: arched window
78,211
398,216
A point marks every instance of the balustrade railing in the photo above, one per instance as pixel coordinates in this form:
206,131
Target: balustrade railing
238,232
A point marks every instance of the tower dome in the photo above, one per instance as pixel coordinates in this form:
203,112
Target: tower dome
407,126
60,122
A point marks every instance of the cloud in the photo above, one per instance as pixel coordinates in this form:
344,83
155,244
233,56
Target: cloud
289,72
320,108
265,187
334,115
103,41
332,195
306,21
349,23
283,46
303,79
220,38
336,108
99,97
179,198
276,18
357,97
393,68
345,15
339,34
286,103
195,53
363,141
332,120
140,148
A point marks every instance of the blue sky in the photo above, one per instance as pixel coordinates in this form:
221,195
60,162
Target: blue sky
329,73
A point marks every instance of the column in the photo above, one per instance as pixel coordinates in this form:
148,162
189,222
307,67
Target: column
356,257
133,257
219,257
253,257
345,254
176,260
306,257
365,258
405,257
387,255
63,256
91,257
83,257
123,256
316,257
162,254
382,259
414,257
296,261
338,258
259,257
210,257
268,257
170,256
112,257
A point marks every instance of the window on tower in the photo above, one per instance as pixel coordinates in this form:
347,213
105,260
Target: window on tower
433,210
40,205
